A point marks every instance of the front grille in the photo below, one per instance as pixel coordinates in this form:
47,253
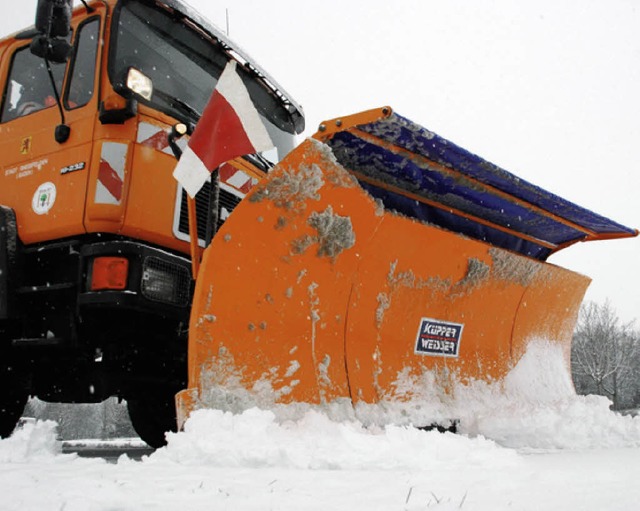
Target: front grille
226,203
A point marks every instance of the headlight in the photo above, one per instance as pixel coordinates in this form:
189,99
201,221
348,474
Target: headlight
139,83
166,282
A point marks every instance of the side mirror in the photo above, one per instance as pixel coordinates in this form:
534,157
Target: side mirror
53,23
53,18
54,50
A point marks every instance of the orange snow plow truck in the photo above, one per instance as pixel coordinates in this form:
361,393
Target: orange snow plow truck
311,274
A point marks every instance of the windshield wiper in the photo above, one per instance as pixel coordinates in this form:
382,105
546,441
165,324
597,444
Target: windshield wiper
193,116
187,108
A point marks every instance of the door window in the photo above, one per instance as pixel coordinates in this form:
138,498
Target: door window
29,87
82,82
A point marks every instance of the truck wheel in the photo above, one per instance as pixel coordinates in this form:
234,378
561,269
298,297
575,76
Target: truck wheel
152,415
13,398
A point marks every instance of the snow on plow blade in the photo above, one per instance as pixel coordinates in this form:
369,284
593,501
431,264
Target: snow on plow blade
375,250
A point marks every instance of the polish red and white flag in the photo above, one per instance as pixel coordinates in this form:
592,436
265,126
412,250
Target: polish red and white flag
230,127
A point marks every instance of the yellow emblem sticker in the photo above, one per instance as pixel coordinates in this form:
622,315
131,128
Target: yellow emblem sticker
25,146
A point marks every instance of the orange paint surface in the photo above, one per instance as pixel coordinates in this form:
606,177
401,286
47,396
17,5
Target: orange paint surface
311,292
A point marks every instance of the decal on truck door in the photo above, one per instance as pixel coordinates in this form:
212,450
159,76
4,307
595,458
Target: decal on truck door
44,198
73,168
25,145
438,338
111,173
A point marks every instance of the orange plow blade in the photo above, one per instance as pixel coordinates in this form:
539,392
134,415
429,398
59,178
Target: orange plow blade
338,273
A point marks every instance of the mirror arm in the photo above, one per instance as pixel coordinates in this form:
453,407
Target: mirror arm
62,130
87,7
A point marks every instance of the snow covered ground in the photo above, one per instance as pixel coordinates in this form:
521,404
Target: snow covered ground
527,443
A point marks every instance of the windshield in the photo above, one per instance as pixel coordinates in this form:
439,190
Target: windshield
184,64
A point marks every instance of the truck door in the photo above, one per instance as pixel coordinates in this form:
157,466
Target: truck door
45,181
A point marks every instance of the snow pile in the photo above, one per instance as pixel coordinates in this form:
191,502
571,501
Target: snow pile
256,439
534,407
33,441
303,458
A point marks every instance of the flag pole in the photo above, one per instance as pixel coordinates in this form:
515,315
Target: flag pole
196,253
230,105
177,131
213,215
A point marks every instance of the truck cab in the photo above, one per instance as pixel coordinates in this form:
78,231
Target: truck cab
95,270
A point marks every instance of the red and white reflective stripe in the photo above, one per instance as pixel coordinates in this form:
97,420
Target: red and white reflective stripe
153,136
157,137
236,178
110,182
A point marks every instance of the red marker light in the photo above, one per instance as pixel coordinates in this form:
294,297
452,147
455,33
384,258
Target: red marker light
109,273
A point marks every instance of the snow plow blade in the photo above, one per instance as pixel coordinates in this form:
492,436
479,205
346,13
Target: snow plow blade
374,250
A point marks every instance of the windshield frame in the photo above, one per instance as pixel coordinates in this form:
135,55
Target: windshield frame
284,113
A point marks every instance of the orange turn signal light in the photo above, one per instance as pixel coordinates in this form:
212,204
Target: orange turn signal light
109,273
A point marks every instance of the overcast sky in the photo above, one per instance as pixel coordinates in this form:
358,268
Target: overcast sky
549,90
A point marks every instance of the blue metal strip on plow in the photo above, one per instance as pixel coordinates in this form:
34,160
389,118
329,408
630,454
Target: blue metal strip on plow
424,176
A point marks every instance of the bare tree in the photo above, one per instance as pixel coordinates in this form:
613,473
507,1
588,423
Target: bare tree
604,353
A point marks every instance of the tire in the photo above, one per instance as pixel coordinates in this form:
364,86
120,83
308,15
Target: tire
13,399
152,415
